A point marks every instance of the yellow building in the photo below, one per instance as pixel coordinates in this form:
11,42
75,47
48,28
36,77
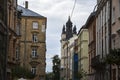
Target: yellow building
83,64
33,42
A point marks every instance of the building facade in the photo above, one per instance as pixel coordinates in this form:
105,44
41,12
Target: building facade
33,42
91,26
103,39
67,49
115,34
13,36
83,52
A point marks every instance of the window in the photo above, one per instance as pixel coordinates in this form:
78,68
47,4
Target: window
33,70
18,29
119,8
35,25
17,53
34,38
113,15
43,27
34,52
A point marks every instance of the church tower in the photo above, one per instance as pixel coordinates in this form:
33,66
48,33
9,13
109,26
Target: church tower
68,34
69,29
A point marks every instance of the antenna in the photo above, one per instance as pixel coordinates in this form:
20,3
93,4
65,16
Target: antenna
73,8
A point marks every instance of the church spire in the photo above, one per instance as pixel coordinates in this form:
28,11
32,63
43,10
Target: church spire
69,29
63,30
74,30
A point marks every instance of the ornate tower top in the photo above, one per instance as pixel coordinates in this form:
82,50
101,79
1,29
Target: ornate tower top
69,29
74,30
69,23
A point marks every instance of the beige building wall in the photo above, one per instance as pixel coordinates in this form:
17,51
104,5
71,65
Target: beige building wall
71,52
83,51
27,44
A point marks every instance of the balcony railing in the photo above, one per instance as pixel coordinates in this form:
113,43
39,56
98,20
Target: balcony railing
97,62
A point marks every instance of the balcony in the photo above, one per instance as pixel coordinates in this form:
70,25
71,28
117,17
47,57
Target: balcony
97,63
34,60
34,44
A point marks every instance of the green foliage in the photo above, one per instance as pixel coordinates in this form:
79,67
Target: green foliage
81,74
113,57
19,72
56,67
49,76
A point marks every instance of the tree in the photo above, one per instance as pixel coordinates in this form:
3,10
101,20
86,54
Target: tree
81,74
56,67
18,72
114,58
49,76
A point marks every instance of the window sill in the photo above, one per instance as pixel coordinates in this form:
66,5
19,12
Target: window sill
35,31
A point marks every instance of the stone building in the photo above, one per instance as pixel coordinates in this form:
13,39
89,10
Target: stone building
91,26
69,35
103,39
83,59
115,34
33,42
13,22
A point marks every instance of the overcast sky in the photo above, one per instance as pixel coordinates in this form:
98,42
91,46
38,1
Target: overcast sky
57,12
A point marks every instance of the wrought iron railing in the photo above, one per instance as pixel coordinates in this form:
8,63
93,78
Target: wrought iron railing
97,62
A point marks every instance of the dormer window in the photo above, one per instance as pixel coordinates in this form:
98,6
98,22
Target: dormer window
35,25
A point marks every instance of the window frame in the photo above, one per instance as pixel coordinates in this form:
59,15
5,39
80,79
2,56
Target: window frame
17,53
43,27
35,25
34,38
34,52
33,70
113,15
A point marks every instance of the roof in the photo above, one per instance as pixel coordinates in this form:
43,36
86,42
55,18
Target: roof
92,16
83,27
28,12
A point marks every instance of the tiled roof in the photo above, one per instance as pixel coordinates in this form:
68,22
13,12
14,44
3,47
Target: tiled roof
28,12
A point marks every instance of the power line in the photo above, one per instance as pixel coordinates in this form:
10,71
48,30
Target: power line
73,8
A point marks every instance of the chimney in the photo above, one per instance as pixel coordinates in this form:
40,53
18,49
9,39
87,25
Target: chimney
26,4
